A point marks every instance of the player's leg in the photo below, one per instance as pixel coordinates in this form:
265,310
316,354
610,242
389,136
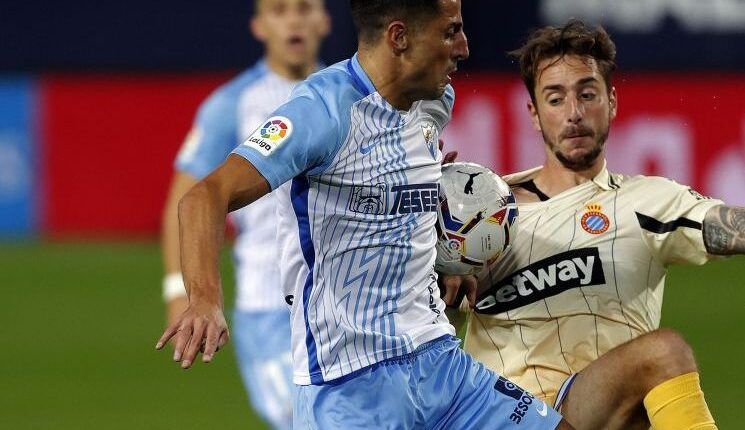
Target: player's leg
653,376
262,344
376,397
458,392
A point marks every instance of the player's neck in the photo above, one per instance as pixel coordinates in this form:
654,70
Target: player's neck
287,71
555,178
385,77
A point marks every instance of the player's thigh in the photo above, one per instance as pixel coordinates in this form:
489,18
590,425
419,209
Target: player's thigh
605,395
462,393
378,397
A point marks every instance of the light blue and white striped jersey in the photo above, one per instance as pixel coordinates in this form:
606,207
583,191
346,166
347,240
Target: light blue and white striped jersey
356,220
223,121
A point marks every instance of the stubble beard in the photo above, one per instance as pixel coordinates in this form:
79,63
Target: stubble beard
583,162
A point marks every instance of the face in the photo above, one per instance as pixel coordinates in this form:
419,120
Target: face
434,50
291,30
573,110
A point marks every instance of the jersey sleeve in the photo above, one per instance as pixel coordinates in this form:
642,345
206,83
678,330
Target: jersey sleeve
671,222
212,137
299,136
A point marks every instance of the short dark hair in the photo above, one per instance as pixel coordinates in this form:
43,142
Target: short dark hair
371,16
573,38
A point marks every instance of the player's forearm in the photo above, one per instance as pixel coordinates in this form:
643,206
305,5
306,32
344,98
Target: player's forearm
169,240
202,214
169,236
724,230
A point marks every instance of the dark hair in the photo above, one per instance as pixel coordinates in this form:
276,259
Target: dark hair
371,16
574,38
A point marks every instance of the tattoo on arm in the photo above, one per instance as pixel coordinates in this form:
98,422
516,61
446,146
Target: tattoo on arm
724,230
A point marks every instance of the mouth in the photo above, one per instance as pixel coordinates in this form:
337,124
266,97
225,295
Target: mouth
296,42
449,73
577,135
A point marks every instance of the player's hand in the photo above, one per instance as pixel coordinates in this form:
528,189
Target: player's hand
201,327
450,156
454,287
175,307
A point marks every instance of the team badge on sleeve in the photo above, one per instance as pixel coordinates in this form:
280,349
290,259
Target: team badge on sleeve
270,136
594,221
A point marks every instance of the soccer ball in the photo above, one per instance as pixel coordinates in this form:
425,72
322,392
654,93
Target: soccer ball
476,220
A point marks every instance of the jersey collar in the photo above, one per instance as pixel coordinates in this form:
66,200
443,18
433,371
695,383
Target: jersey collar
604,179
360,78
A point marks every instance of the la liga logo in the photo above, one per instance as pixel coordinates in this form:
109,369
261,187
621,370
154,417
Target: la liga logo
274,130
594,221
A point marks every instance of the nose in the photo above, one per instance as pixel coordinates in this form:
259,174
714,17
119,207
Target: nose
576,111
461,47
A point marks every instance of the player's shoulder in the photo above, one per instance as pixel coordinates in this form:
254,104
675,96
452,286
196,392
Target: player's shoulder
331,91
648,183
224,98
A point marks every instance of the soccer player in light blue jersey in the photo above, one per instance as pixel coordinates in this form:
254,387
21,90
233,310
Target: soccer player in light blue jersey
291,31
354,155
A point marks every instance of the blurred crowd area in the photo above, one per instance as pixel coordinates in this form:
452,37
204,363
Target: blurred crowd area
97,97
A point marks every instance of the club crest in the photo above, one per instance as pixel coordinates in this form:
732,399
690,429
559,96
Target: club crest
594,221
430,138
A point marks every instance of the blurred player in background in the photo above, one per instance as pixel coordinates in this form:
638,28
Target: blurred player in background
358,176
291,31
573,310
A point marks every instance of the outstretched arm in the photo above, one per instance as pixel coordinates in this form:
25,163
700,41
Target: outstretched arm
202,214
724,230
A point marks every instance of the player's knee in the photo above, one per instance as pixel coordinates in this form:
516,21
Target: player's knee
666,355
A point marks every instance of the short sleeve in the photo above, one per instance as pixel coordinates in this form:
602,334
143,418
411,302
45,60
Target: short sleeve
212,137
671,222
299,136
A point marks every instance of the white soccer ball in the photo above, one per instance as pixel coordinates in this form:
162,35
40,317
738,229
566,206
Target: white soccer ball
476,220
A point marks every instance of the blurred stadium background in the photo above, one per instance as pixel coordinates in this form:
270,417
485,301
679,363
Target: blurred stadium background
96,97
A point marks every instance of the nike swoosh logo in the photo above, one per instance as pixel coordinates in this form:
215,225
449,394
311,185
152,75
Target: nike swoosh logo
364,150
543,411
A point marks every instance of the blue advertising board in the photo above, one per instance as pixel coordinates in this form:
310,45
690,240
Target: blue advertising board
18,158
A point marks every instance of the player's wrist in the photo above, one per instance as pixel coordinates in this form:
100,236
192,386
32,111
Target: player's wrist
173,287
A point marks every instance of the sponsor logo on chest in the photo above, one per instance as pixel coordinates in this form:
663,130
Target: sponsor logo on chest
543,279
380,199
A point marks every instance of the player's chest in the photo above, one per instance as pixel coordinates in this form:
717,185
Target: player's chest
390,147
567,245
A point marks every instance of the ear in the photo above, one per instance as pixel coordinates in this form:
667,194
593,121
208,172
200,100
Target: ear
257,28
396,37
325,29
613,100
533,110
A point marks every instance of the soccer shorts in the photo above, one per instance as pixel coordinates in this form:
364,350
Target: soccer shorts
438,386
564,391
262,344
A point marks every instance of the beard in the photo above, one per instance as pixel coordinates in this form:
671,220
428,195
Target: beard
585,160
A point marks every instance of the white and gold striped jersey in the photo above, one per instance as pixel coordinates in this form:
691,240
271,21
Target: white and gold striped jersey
585,274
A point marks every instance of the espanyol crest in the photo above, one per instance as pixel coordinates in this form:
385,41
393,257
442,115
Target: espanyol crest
430,138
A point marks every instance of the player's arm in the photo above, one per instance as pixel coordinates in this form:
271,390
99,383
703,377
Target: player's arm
174,294
724,230
202,213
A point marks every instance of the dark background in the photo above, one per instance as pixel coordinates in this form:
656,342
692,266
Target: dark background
171,35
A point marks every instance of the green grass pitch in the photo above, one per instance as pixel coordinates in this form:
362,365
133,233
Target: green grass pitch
80,324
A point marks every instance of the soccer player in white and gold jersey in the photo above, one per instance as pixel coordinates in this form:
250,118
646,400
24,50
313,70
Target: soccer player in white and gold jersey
572,313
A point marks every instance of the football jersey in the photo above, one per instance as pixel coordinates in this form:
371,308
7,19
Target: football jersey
356,220
586,273
223,121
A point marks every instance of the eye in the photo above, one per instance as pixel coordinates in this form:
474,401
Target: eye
587,96
554,101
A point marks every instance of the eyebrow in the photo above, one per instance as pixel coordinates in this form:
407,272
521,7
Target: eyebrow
581,82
